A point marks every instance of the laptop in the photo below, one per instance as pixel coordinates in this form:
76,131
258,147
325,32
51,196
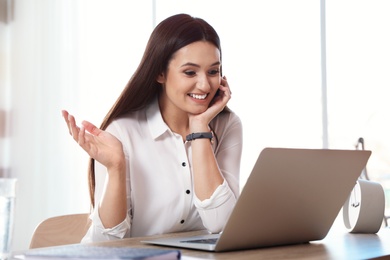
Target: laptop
292,196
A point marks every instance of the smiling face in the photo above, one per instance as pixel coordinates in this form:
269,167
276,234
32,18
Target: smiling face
191,80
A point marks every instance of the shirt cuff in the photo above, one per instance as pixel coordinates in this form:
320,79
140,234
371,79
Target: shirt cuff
219,197
119,231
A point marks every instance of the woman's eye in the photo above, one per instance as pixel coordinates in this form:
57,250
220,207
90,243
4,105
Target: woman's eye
189,73
214,72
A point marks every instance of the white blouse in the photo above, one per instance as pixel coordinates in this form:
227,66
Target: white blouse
159,181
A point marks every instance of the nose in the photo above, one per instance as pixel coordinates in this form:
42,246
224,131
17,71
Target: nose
204,83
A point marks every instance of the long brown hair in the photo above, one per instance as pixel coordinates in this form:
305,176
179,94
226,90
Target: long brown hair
169,36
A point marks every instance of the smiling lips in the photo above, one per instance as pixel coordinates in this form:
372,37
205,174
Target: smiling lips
198,96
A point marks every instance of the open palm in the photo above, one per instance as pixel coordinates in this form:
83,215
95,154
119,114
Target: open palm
99,144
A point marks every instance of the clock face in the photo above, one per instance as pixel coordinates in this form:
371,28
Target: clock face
354,206
363,211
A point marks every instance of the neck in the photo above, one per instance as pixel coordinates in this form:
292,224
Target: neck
176,120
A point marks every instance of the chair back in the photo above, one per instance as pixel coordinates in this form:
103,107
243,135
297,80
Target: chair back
60,230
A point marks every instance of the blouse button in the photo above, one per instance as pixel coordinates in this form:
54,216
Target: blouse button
182,221
183,164
188,191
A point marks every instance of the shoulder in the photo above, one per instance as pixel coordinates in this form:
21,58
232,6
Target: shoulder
227,125
130,120
228,131
226,119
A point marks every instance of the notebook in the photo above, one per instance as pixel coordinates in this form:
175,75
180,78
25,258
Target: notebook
85,252
292,196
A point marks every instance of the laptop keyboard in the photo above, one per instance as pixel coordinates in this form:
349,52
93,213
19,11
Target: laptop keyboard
201,241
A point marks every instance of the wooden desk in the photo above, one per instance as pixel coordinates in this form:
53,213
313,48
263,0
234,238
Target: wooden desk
337,245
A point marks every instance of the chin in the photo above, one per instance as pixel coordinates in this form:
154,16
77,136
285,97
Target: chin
197,111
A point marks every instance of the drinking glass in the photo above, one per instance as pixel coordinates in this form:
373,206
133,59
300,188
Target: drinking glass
7,203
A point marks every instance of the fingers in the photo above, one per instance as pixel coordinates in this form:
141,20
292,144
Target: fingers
74,129
81,136
224,87
65,115
87,136
71,123
91,128
85,140
79,132
225,84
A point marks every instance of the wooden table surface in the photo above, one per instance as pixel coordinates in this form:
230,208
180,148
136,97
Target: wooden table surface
336,245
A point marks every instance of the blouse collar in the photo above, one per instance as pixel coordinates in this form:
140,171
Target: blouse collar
157,126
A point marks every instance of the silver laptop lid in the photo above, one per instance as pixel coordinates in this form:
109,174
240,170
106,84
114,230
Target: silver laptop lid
292,196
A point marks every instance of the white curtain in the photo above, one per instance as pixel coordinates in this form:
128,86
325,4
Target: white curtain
60,56
43,78
4,89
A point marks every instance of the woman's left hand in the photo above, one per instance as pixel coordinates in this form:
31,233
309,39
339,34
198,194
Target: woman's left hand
218,103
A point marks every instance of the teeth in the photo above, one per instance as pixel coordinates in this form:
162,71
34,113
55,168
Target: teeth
198,96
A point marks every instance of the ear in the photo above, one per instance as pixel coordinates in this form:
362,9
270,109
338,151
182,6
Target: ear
161,78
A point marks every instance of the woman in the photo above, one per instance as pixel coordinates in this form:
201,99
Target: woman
167,155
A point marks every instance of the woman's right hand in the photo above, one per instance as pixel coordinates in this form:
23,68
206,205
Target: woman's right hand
100,145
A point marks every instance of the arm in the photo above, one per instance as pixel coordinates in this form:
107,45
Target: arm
216,171
107,150
207,175
216,210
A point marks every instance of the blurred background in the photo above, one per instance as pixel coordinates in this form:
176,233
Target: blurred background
303,73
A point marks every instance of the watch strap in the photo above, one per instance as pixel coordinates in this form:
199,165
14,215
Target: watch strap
199,135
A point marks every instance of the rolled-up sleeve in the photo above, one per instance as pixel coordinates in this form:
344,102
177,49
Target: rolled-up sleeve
97,232
218,207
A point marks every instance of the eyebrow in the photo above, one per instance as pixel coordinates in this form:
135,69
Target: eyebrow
196,65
